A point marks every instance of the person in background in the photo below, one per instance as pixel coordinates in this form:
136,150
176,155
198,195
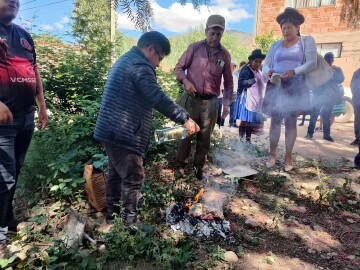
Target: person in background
250,96
336,111
355,90
232,122
125,121
20,87
206,62
237,72
326,108
292,57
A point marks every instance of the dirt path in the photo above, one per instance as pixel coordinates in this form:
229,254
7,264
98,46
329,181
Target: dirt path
305,219
317,148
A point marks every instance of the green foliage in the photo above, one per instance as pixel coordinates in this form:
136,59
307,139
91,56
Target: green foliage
60,256
7,263
122,246
73,83
91,27
264,41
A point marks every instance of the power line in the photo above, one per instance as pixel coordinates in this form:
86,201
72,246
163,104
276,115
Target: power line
53,3
28,2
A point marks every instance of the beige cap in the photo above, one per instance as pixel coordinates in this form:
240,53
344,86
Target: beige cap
215,21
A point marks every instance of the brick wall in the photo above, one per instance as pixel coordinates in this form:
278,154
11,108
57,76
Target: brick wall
317,19
323,23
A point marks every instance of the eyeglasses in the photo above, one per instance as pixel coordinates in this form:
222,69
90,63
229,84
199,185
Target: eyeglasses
157,52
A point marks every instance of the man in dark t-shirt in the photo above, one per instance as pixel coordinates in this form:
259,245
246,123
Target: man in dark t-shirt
20,87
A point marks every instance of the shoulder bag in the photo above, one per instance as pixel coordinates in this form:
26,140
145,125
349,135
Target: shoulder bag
321,74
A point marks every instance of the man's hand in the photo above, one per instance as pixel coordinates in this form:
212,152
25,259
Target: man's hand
3,49
191,126
189,87
288,74
5,114
226,110
43,119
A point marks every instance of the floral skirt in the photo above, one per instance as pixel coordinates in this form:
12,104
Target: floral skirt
290,98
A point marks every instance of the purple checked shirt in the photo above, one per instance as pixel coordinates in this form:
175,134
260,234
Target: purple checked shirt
205,71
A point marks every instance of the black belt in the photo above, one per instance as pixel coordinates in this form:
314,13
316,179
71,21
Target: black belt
204,97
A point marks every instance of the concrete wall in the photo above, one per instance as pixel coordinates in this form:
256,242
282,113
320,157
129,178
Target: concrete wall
323,23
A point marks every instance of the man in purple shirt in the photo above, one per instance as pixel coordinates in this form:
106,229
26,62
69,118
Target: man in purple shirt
205,63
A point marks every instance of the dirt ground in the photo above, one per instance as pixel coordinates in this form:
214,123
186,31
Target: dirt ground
305,219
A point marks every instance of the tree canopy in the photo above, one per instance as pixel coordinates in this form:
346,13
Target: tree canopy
141,12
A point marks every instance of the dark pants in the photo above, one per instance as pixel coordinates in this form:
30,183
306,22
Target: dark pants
204,113
231,116
357,158
357,119
357,129
14,143
232,120
219,120
123,182
326,113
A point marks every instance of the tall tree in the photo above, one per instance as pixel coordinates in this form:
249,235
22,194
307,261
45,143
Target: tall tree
350,13
91,27
141,12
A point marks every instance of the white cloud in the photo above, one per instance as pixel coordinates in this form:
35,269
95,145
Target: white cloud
58,26
46,27
177,18
65,20
124,22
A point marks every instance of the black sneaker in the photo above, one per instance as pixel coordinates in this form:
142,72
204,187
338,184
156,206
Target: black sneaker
328,138
200,175
355,142
12,225
301,124
308,136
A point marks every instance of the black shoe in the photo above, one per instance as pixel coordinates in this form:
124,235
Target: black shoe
12,225
200,175
235,126
355,142
328,138
308,136
301,124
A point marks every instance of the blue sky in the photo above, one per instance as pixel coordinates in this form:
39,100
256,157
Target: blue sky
170,17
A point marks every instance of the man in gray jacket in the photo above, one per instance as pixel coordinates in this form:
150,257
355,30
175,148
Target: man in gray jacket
125,121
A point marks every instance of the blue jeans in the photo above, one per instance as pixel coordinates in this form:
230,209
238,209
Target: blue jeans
15,139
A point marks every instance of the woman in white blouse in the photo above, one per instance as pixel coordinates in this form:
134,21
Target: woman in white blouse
290,58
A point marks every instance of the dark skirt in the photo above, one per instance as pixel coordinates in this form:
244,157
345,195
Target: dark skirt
290,98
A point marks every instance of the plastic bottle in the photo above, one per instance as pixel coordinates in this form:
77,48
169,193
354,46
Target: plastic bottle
169,134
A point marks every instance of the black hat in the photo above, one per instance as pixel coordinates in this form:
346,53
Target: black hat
291,13
256,54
